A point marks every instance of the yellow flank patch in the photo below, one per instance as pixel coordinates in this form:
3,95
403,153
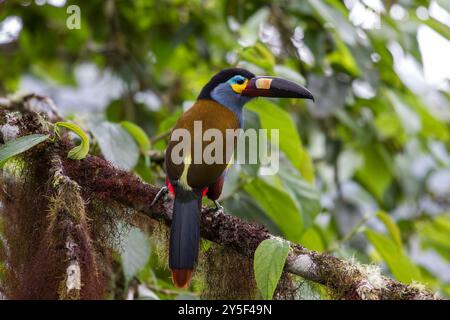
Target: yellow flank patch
230,162
263,83
183,179
238,88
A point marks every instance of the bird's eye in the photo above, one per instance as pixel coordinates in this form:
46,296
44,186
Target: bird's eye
240,81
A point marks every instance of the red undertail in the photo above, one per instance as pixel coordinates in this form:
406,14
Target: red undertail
181,277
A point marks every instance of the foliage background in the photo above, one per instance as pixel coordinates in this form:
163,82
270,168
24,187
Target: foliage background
365,170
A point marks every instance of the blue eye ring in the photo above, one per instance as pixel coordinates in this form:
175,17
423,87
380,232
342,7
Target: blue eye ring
237,80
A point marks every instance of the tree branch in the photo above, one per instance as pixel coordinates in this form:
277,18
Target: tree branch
344,279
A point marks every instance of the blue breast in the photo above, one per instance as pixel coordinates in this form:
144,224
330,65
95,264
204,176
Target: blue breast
225,95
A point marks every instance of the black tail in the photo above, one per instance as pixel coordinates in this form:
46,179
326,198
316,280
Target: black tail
184,236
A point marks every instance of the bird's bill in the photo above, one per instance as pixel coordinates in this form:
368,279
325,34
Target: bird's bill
276,88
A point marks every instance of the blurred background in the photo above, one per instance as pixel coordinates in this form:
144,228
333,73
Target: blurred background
365,170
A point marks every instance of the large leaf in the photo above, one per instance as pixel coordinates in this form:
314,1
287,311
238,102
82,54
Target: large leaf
439,27
17,146
289,74
251,121
135,252
416,117
273,117
250,30
431,125
305,196
436,234
241,204
400,265
410,120
311,239
332,12
389,126
269,260
116,144
392,228
343,59
375,172
143,169
79,152
279,206
258,55
138,134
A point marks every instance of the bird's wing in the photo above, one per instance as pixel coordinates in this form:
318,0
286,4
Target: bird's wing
195,172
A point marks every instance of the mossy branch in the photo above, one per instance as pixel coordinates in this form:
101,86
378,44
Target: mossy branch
345,279
98,179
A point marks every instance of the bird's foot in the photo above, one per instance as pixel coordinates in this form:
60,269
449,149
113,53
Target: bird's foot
161,193
218,209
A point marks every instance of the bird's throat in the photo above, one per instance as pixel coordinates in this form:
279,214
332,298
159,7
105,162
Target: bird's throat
225,95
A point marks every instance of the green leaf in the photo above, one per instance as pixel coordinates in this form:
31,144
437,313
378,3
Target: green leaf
250,30
390,224
114,110
79,152
279,206
375,173
334,14
273,117
439,27
53,71
242,205
311,239
389,126
251,121
416,117
289,74
436,234
258,55
143,169
17,146
116,144
306,197
164,126
169,122
135,252
410,120
431,126
342,58
138,134
269,260
400,265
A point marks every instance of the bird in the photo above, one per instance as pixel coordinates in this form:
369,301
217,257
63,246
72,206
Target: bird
218,106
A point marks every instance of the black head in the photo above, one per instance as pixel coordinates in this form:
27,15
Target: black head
221,77
246,85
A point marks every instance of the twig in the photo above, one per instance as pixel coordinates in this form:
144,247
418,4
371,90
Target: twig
160,136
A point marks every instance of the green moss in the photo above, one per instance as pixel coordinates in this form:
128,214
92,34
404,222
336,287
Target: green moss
160,240
226,275
340,278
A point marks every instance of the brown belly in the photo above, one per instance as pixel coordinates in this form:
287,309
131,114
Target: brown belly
201,173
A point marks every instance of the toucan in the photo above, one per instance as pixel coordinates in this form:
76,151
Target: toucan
218,106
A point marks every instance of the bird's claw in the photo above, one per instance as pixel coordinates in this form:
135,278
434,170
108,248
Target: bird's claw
162,192
218,209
